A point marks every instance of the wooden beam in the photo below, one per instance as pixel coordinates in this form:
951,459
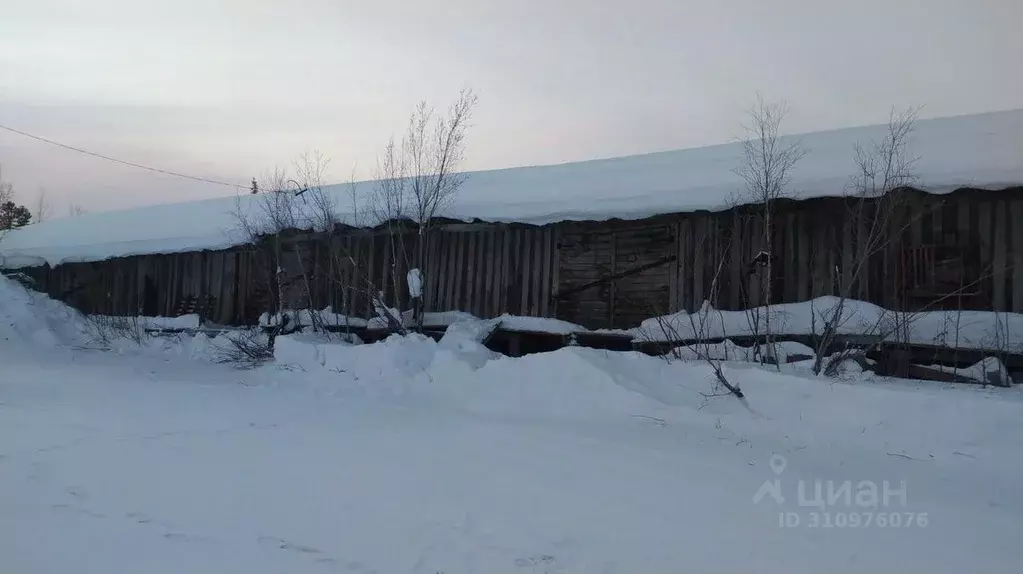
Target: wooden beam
999,229
555,269
524,254
544,295
626,273
536,271
1016,207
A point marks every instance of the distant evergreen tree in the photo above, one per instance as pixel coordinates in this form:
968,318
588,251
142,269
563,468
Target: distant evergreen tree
13,215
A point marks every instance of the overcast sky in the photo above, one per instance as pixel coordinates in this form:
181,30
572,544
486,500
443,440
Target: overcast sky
228,89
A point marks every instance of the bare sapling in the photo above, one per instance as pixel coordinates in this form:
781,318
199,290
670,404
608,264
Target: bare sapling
261,223
318,209
245,349
390,206
323,216
418,180
6,188
767,164
875,213
699,324
42,209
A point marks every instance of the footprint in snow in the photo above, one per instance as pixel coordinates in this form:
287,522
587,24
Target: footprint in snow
282,544
139,517
61,507
534,561
78,493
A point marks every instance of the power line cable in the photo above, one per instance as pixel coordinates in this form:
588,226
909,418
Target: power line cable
121,161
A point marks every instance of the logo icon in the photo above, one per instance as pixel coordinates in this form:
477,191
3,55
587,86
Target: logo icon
772,487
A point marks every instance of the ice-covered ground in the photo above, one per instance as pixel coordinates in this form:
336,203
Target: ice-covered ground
415,456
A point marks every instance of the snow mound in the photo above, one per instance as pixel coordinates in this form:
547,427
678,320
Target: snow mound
461,373
981,330
539,325
305,318
988,371
28,318
181,322
780,352
570,383
464,341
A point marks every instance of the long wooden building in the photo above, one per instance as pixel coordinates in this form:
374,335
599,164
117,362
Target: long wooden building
960,249
955,243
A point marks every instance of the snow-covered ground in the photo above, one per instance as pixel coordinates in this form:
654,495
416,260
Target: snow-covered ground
411,455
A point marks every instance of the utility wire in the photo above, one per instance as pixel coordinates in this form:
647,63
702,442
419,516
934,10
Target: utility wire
121,161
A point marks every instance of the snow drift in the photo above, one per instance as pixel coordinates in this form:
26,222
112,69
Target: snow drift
31,318
982,330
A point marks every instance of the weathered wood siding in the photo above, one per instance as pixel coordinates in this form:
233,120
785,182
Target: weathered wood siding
493,270
970,250
593,251
486,270
155,284
970,237
815,244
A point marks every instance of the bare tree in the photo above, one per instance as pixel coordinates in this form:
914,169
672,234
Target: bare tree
319,208
670,332
261,221
766,168
6,195
356,281
6,188
353,197
435,157
419,178
75,210
283,204
318,205
874,210
42,207
390,207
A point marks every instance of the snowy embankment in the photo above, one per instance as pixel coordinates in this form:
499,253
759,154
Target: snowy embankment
412,455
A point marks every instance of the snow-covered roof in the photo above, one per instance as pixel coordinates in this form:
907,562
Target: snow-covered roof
982,151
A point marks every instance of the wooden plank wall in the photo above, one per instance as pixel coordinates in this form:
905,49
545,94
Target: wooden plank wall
586,256
493,270
814,246
120,287
593,251
489,269
485,270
